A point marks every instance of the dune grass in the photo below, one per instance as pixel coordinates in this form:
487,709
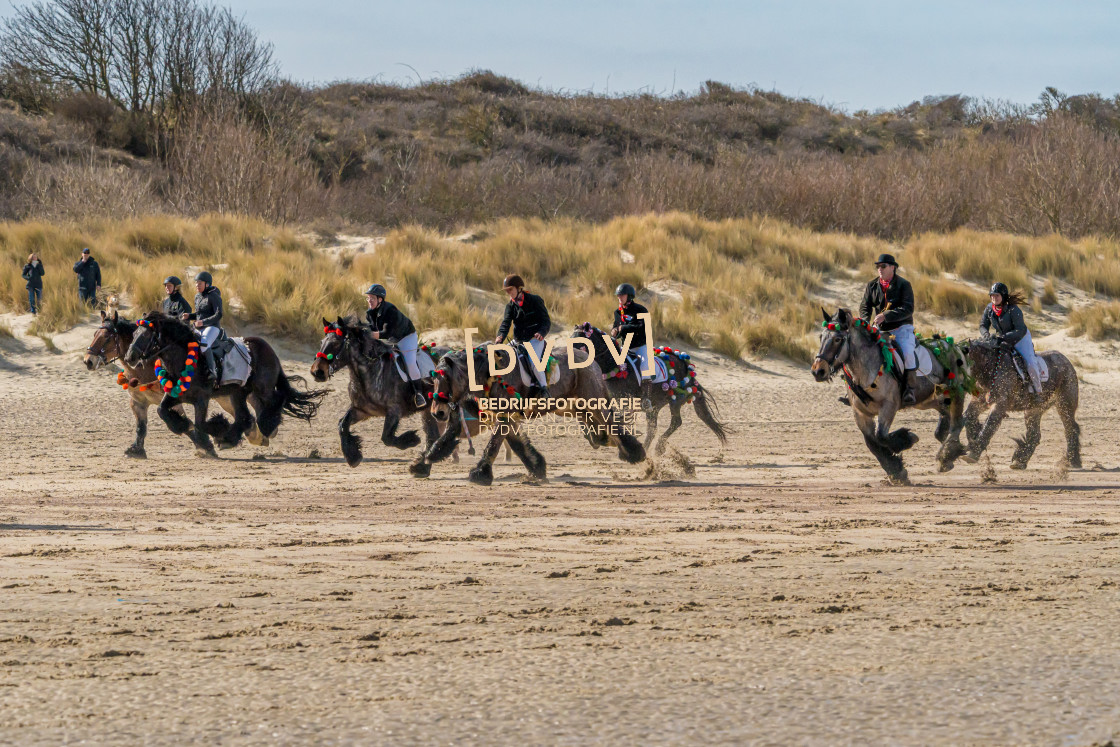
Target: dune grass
739,287
1098,322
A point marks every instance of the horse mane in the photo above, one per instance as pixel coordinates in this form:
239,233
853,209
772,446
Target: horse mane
175,330
124,327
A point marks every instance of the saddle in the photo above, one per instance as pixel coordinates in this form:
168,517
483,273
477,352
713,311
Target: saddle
424,362
1021,368
660,370
525,367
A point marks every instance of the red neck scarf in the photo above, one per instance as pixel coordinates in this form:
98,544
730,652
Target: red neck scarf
520,300
884,284
997,309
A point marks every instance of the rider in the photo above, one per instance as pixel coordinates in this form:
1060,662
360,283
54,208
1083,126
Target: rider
174,305
388,323
1005,315
530,320
207,314
626,321
891,299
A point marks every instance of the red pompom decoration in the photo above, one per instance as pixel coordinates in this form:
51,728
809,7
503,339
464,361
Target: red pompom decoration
338,332
952,375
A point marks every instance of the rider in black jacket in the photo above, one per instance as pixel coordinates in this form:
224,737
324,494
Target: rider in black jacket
388,323
1004,314
626,322
888,303
529,317
207,315
174,305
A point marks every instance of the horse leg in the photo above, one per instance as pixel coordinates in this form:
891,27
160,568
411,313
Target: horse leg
651,427
976,407
528,454
1024,449
889,461
140,412
421,467
951,447
483,472
389,436
171,413
351,444
941,432
1073,433
991,425
204,447
256,438
674,423
242,420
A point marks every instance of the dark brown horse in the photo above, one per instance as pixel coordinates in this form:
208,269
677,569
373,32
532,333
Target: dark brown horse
628,386
1002,390
110,343
168,339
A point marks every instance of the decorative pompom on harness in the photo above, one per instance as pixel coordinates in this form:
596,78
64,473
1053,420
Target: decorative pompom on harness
168,383
885,348
958,374
686,386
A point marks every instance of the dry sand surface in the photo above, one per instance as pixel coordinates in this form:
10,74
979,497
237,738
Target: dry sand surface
780,595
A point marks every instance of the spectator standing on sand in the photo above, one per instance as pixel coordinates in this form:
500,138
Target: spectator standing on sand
33,274
89,277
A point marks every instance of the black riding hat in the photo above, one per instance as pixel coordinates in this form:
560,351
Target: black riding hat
886,259
204,277
627,289
1001,289
376,290
173,280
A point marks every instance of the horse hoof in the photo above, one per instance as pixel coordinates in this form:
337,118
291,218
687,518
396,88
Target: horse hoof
1075,463
224,445
481,476
354,461
206,453
970,458
902,478
420,469
1018,465
945,467
135,453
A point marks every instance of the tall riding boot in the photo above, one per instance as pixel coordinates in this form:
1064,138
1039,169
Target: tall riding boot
908,393
647,395
211,366
418,397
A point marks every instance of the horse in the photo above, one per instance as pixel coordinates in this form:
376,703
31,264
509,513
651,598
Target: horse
621,385
172,342
1003,390
850,345
376,389
110,343
577,393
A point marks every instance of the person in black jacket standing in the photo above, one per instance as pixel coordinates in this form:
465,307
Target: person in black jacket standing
888,303
626,321
530,321
33,274
207,316
175,305
389,324
89,277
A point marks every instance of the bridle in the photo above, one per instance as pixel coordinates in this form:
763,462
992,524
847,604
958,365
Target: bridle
335,361
153,338
837,360
99,355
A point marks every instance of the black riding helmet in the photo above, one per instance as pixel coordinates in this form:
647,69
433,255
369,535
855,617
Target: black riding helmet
173,280
204,277
626,289
376,290
1001,289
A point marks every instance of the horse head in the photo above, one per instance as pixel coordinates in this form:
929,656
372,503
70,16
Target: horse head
110,342
448,384
835,344
334,350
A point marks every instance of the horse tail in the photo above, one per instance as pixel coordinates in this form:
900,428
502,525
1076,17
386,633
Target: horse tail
302,405
708,411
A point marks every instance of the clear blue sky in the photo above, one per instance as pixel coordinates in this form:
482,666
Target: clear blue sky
855,54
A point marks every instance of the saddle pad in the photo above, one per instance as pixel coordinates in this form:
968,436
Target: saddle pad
925,360
237,363
550,376
1043,368
424,362
660,370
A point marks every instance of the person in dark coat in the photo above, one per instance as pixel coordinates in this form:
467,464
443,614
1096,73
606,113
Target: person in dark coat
33,274
888,303
207,317
175,305
388,323
89,277
626,322
529,319
1003,321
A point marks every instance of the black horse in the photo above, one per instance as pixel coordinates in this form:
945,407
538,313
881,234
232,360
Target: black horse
169,340
625,385
376,389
